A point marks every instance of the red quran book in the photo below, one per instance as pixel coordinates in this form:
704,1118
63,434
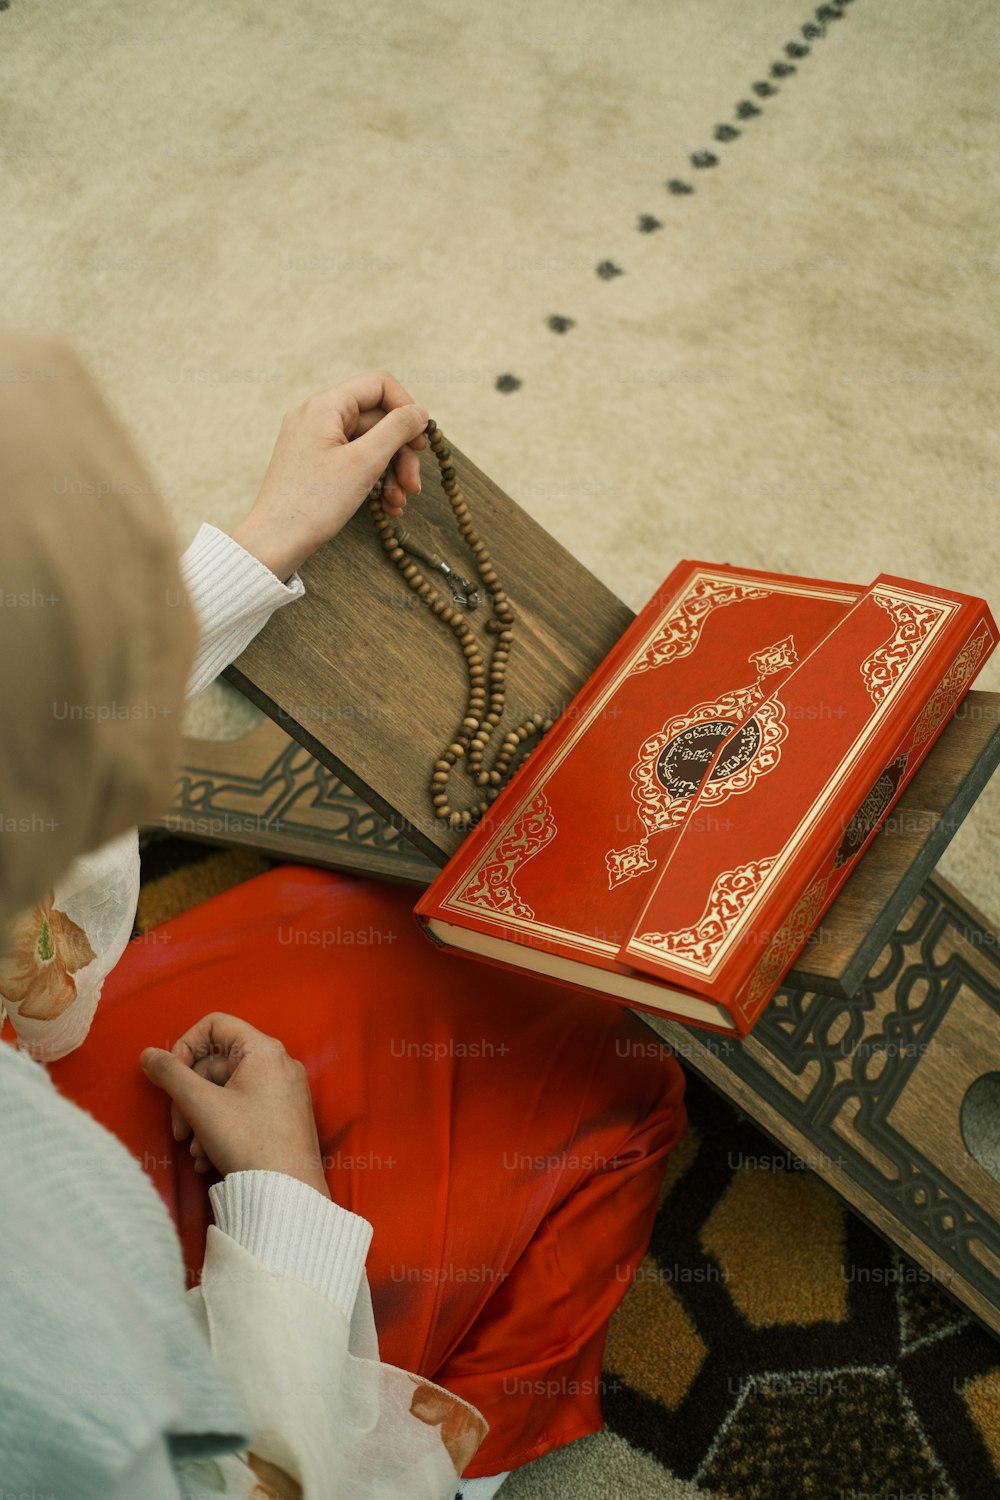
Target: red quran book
739,712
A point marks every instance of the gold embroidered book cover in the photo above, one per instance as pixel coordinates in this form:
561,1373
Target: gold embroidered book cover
680,831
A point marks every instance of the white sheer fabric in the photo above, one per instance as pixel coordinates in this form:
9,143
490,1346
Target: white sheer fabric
324,1408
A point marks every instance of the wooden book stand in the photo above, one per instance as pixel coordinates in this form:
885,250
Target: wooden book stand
861,1065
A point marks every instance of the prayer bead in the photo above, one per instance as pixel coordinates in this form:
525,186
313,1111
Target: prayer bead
484,684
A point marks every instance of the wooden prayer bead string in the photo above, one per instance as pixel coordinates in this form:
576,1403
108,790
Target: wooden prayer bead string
477,726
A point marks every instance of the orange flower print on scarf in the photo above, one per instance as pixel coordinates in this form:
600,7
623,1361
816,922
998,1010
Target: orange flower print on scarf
461,1431
47,948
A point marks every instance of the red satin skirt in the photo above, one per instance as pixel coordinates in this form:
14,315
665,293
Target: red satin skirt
505,1136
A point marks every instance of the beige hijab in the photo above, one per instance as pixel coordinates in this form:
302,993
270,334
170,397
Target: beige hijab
96,630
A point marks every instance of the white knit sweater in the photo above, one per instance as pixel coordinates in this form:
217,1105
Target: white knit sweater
104,1389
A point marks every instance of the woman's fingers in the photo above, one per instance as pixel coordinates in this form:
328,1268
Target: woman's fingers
260,1120
218,1036
403,476
374,390
178,1125
211,1048
215,1068
369,419
330,451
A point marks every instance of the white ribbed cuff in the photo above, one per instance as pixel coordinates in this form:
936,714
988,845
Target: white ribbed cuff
293,1230
234,595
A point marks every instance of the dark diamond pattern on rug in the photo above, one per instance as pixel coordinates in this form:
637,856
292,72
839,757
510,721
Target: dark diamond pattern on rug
864,1431
773,1344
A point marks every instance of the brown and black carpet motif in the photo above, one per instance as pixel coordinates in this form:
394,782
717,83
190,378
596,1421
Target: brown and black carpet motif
774,1345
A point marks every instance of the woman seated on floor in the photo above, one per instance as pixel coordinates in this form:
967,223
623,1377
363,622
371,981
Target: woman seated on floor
417,1242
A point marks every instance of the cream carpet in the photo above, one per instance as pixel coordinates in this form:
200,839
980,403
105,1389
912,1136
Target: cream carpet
230,205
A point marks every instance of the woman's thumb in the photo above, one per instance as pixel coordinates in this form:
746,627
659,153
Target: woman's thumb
381,443
175,1078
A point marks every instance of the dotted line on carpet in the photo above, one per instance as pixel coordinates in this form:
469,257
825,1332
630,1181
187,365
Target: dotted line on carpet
746,109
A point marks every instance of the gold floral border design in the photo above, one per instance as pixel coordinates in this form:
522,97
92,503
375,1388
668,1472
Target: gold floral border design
730,894
680,631
786,942
959,674
911,623
493,886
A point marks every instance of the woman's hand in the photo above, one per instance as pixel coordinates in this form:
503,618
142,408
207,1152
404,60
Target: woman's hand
243,1100
329,453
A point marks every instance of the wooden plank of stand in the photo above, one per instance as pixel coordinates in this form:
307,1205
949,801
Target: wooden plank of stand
902,855
264,792
364,676
876,1094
